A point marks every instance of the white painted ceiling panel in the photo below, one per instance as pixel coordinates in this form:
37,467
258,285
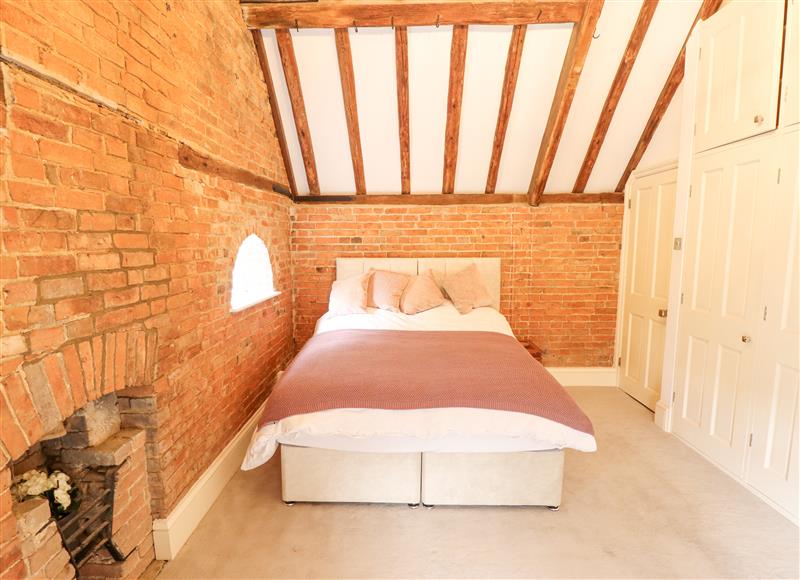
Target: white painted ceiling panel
285,106
665,144
661,46
487,51
315,50
376,96
428,80
613,31
540,66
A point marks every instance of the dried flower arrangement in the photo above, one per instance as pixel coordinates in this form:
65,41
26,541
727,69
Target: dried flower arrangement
56,487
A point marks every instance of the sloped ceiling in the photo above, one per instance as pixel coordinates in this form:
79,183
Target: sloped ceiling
373,56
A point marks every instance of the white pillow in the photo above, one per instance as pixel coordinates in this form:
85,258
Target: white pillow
349,296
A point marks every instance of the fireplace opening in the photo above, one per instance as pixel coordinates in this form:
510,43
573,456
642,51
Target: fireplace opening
105,530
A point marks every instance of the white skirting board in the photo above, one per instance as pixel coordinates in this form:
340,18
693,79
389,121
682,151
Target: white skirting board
585,376
171,533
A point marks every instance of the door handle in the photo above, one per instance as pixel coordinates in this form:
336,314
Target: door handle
662,312
746,338
758,119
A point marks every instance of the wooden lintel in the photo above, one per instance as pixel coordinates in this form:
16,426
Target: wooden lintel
258,40
345,57
197,161
458,59
461,198
577,50
401,64
506,100
292,76
708,8
346,13
615,92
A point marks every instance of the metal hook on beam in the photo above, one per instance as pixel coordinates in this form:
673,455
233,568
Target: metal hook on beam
596,36
355,26
296,25
437,20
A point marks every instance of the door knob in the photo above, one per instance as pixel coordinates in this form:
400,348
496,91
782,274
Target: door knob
662,312
746,338
758,119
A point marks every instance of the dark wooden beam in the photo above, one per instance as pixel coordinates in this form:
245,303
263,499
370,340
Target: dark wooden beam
708,8
197,161
577,50
612,197
506,100
401,64
350,108
258,40
292,76
458,58
461,198
346,13
614,94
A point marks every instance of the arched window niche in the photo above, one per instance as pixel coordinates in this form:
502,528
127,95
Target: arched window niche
253,281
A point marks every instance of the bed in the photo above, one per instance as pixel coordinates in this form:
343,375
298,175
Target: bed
469,445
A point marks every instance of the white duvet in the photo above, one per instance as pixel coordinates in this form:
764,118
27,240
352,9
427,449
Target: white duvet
440,430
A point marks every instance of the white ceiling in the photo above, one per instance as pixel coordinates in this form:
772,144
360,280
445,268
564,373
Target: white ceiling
487,46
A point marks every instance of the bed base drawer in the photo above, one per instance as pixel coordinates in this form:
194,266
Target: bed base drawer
500,479
322,475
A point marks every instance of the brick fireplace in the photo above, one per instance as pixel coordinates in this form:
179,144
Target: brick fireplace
109,534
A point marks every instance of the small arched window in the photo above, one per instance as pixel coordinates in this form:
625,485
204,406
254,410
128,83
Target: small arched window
252,275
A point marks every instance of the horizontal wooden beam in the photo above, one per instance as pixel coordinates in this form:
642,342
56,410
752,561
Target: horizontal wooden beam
197,161
461,198
355,13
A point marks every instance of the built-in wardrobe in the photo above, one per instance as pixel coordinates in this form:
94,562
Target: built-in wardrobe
728,376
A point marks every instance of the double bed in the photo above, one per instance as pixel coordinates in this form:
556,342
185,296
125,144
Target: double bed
438,408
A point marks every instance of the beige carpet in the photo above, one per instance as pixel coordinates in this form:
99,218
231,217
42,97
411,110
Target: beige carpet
643,506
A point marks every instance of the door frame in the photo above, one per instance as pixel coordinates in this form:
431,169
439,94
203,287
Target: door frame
624,247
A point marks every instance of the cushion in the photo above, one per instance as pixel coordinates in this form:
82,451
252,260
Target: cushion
349,296
467,290
422,293
386,289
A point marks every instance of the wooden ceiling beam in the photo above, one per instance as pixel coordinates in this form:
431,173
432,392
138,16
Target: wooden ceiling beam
345,57
401,64
461,198
292,76
577,50
506,101
458,59
346,13
708,8
615,92
258,40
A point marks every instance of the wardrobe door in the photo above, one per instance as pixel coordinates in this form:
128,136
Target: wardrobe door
720,311
647,265
773,462
739,73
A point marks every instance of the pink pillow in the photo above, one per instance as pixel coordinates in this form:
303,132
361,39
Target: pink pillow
421,294
386,289
467,290
349,296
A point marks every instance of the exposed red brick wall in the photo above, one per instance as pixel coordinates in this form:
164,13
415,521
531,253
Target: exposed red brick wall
105,236
560,263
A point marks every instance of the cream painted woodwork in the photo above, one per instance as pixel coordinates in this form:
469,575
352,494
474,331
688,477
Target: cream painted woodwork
723,252
739,75
790,105
773,462
648,256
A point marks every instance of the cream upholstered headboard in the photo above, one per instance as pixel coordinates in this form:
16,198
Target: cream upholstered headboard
488,267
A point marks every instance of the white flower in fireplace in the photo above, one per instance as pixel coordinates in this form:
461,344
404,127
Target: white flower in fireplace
36,483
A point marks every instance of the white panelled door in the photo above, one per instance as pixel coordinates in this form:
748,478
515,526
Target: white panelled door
739,74
773,462
720,311
652,208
